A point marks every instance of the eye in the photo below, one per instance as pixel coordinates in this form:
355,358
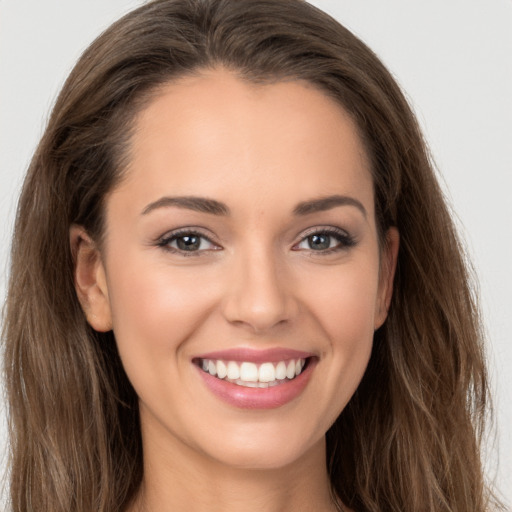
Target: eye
187,242
326,241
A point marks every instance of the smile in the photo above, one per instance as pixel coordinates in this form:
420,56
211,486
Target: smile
252,375
256,379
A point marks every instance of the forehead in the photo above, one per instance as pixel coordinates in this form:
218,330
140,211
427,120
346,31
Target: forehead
214,134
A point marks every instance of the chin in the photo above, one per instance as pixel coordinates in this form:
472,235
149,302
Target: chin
270,451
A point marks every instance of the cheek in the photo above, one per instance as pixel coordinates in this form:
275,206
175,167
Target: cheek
344,308
154,310
344,302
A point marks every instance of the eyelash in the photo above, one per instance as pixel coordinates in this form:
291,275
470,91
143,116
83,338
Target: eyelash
345,241
167,239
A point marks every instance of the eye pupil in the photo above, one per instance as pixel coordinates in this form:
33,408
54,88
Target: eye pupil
319,242
188,242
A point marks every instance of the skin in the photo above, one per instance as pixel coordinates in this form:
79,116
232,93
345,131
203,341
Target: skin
260,150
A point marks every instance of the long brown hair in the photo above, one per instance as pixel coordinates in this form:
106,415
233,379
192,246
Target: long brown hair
410,437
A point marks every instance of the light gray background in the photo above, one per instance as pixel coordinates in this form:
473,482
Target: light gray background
452,57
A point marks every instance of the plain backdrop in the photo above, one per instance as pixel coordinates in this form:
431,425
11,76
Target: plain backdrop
452,57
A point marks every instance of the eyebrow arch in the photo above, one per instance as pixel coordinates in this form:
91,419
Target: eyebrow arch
198,204
326,203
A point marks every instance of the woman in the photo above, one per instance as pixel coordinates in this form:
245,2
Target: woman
235,282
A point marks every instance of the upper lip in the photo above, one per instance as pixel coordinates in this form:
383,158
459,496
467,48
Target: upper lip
256,355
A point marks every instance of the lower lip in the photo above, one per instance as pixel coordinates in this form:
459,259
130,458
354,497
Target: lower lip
258,398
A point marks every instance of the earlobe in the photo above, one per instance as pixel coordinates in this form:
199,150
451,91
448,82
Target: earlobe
90,279
389,260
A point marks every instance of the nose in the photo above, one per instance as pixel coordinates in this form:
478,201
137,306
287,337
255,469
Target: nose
260,292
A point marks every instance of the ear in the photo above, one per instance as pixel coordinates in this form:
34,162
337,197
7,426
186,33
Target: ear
388,263
90,280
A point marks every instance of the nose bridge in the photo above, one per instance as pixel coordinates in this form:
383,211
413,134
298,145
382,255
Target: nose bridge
259,294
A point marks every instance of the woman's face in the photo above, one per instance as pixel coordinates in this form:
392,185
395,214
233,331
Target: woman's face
241,270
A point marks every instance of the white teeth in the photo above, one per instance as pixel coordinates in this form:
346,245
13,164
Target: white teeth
281,370
256,384
222,370
267,373
248,384
249,372
252,375
233,371
290,370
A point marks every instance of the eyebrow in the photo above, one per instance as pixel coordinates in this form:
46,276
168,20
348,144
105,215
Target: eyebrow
198,204
211,206
326,203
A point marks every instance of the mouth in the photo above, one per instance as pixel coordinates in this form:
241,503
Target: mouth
253,375
256,379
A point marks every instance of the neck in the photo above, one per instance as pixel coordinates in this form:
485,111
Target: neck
191,482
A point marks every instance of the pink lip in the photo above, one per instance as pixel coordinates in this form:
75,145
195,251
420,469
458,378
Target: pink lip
256,356
258,398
